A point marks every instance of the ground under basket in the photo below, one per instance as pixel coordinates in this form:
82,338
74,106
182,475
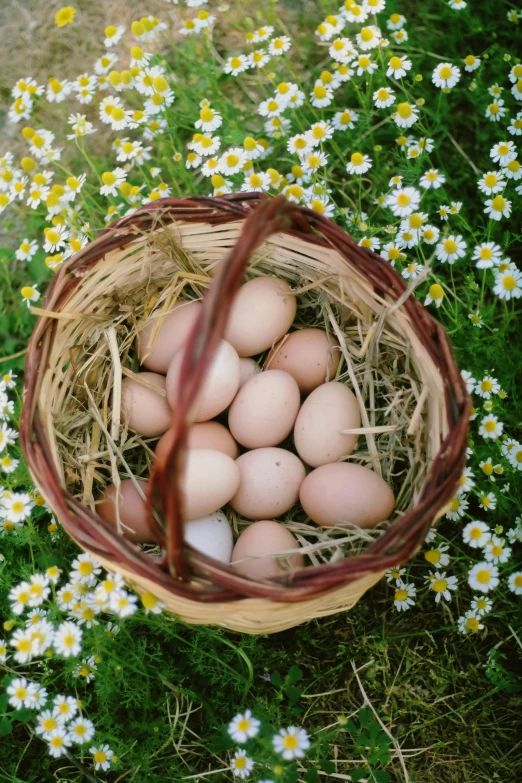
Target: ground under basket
74,436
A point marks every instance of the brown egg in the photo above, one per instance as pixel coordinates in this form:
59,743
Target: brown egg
132,508
204,435
156,354
247,369
259,541
146,411
220,386
342,492
310,356
327,411
269,485
264,410
262,312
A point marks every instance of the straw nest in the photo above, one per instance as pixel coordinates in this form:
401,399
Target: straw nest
395,357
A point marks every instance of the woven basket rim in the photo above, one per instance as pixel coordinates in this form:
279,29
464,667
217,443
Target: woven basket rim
264,216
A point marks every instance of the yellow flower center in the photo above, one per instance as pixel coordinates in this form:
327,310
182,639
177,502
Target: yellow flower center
496,550
206,114
470,59
49,724
401,595
366,34
472,624
85,568
518,580
149,600
403,199
445,72
487,468
439,585
395,63
319,91
364,61
454,504
290,742
490,425
450,246
23,645
404,110
483,576
100,757
18,506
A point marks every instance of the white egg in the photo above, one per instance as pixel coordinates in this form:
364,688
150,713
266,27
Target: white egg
211,535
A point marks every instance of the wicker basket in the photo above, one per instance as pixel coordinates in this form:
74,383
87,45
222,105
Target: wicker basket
82,323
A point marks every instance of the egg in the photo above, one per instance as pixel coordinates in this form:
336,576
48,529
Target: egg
327,411
132,509
204,435
310,356
262,312
269,483
211,535
156,353
256,550
146,411
264,410
344,492
247,368
211,479
219,387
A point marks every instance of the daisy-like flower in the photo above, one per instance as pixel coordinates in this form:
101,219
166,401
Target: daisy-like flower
19,505
7,438
86,669
319,132
359,163
113,35
513,170
64,708
492,182
39,589
55,238
112,181
508,284
258,59
85,569
491,427
442,585
503,152
207,145
81,730
370,243
262,34
445,76
457,507
241,764
59,741
483,577
515,583
450,249
476,534
67,639
279,46
236,64
515,126
45,724
354,12
498,207
24,645
486,255
432,179
291,743
272,107
481,605
515,456
403,201
322,205
344,120
209,120
26,250
496,110
342,50
488,501
395,574
400,36
19,692
19,597
470,622
398,67
67,596
37,194
466,482
391,251
368,37
321,96
438,556
404,596
365,64
123,603
412,270
151,604
429,234
495,551
243,727
469,380
102,756
383,97
487,386
395,22
232,161
256,182
471,63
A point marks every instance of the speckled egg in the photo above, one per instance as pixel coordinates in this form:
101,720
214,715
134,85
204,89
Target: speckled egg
270,479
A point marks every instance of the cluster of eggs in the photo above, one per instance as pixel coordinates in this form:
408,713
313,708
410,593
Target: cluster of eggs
293,392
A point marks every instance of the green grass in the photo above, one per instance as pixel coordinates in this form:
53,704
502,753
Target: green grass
162,693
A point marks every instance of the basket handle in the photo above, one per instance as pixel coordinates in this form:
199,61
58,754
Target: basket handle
165,501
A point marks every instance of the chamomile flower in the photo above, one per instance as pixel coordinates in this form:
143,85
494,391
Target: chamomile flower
243,727
359,163
67,639
209,120
487,386
101,756
24,645
368,37
470,622
279,46
345,120
112,181
258,59
321,96
471,63
503,152
435,295
232,161
256,182
476,534
412,270
383,97
406,115
403,201
495,550
437,555
26,250
354,12
236,64
45,724
364,64
483,577
487,501
457,507
486,255
19,691
291,743
370,243
515,126
151,604
342,50
513,170
299,144
85,569
123,603
442,585
392,252
398,67
432,179
450,249
81,730
445,76
481,605
508,284
491,427
515,583
38,589
19,505
395,22
498,207
395,574
404,596
241,764
319,132
515,456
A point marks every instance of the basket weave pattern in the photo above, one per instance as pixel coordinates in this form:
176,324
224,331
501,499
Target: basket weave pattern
194,586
